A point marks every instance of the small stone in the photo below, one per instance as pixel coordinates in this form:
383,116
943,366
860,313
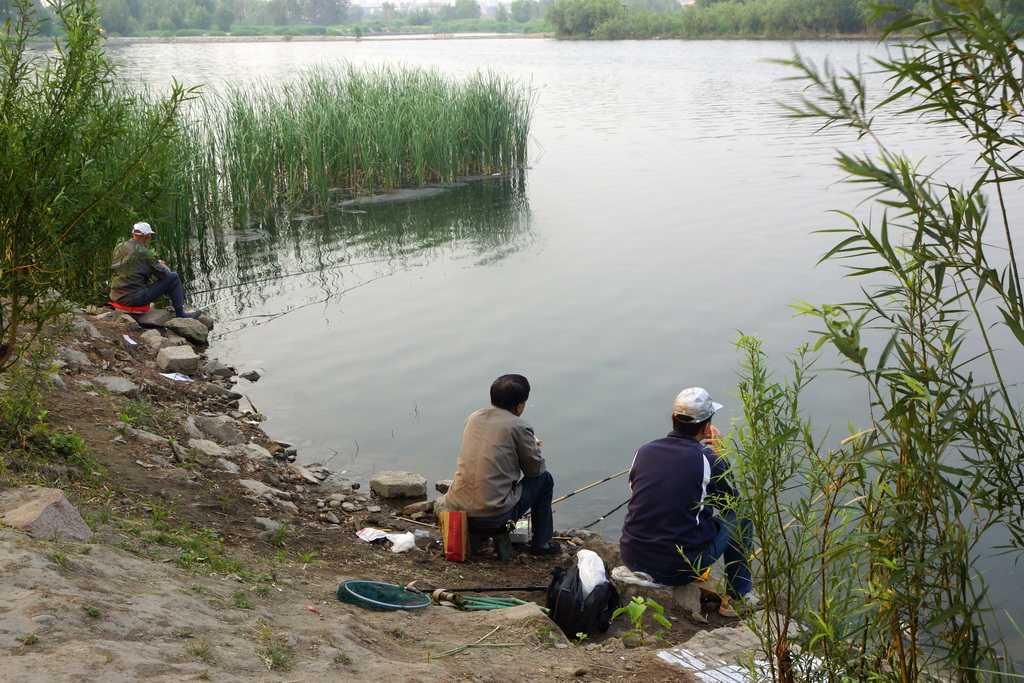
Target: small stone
373,509
207,447
334,503
252,376
227,466
332,518
44,619
214,368
265,524
443,485
422,506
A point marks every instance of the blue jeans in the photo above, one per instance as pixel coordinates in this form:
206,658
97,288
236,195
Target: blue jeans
535,495
169,285
732,541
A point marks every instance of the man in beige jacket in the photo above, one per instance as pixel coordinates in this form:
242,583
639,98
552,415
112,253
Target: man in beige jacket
501,473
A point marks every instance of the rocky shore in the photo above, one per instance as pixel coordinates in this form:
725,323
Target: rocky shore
212,552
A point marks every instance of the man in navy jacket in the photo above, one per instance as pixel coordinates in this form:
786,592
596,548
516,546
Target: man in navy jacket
677,483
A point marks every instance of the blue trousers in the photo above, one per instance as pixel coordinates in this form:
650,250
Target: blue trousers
731,543
171,286
536,494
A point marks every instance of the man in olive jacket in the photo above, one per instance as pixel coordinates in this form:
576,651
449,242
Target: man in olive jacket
497,447
140,278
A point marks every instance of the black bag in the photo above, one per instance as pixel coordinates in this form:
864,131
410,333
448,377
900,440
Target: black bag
571,611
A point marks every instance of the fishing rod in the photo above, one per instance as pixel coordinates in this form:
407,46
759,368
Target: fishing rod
485,589
588,486
607,514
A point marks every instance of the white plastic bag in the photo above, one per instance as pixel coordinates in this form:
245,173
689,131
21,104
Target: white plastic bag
402,542
591,570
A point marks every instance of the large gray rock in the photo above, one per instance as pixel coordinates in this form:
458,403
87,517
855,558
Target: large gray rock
398,485
253,451
683,598
43,513
189,328
178,359
227,466
221,429
207,447
76,360
117,385
153,318
80,326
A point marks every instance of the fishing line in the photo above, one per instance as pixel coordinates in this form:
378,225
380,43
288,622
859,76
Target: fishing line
588,486
281,277
274,316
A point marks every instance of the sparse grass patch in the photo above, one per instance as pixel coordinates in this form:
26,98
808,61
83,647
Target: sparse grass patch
242,601
201,650
28,639
276,654
144,414
61,560
93,612
279,536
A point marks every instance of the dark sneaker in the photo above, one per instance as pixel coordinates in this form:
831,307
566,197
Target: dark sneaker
553,549
192,314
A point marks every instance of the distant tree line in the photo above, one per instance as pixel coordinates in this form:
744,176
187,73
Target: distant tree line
182,17
598,19
610,19
129,17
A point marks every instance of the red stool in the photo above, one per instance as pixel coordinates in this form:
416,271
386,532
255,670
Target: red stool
130,309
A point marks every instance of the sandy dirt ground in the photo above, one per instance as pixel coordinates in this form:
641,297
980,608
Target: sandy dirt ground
127,606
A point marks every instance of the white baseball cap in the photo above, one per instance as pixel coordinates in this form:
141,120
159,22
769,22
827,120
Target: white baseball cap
142,229
695,405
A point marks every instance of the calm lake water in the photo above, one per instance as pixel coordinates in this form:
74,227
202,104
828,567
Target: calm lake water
669,205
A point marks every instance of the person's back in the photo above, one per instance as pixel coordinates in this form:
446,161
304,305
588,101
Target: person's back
499,446
671,532
670,479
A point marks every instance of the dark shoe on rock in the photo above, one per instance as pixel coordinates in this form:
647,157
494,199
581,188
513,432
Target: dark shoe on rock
553,548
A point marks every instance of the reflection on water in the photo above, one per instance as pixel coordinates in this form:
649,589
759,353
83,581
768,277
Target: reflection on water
323,257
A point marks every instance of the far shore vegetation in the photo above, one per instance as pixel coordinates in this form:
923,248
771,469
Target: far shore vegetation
575,19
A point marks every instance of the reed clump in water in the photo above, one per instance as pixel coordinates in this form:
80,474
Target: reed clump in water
346,132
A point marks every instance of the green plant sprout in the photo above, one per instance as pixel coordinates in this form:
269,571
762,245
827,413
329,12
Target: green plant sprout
636,610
